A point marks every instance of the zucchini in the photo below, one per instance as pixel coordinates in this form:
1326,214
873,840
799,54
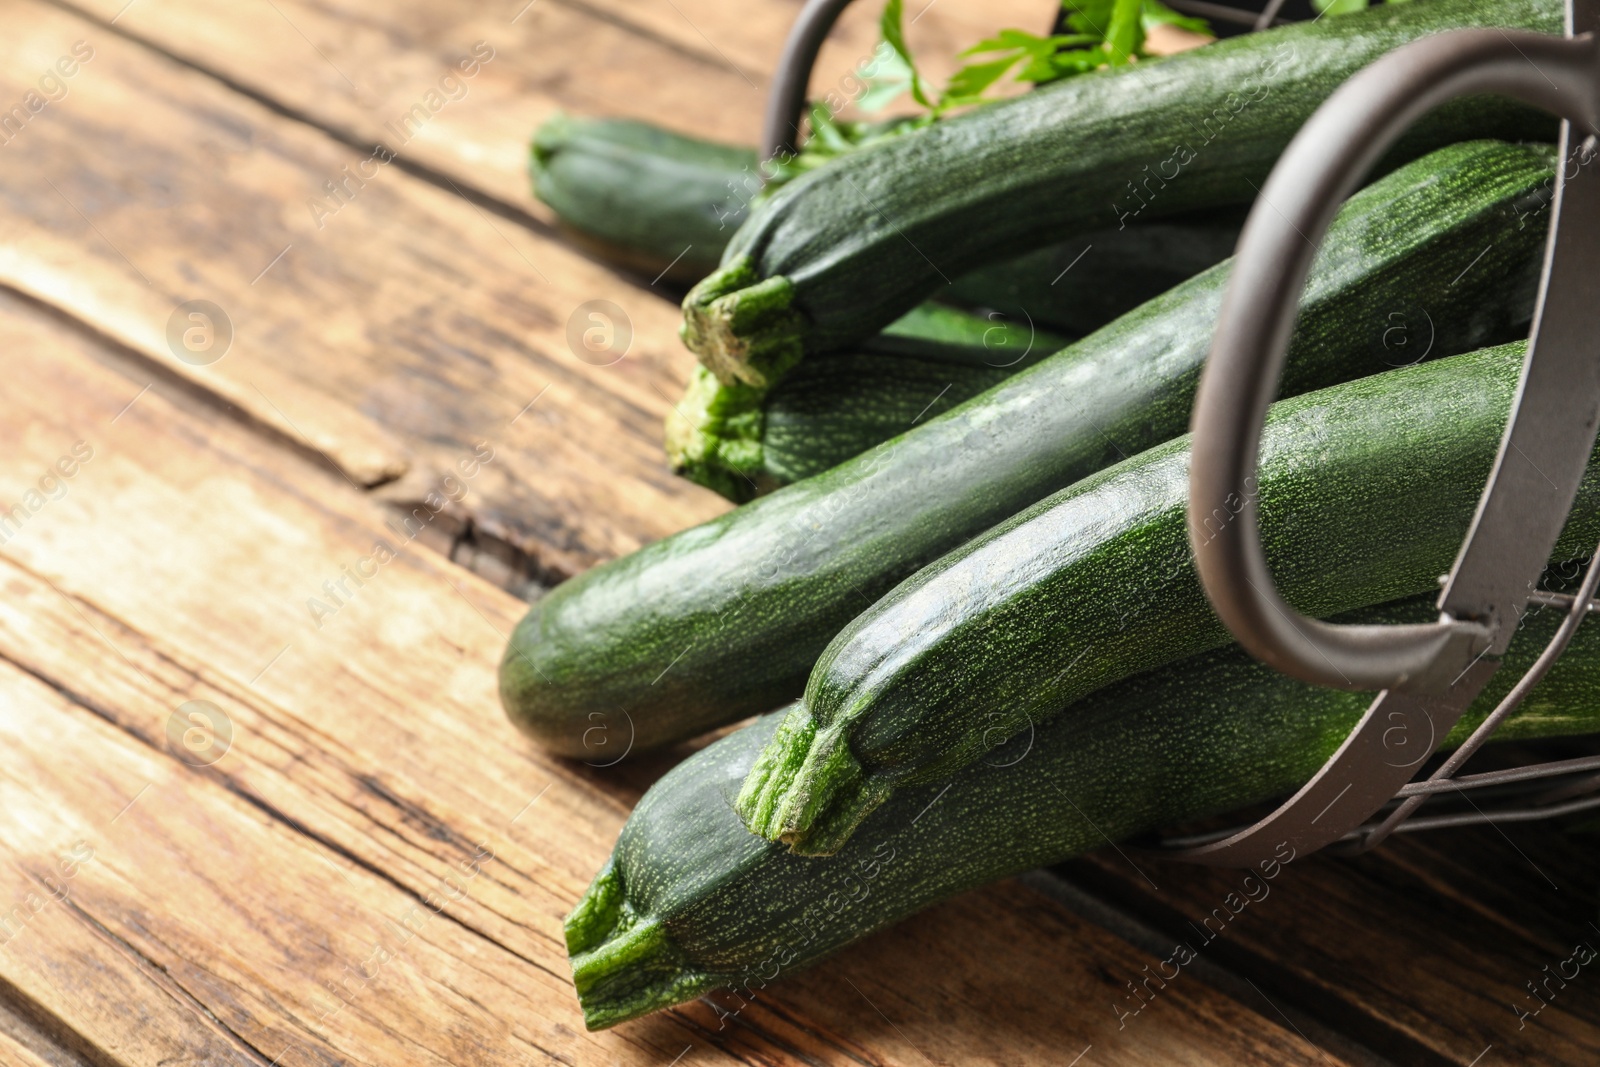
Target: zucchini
949,335
846,403
690,902
1366,490
832,410
717,433
653,200
818,418
838,407
642,196
1080,285
831,257
725,620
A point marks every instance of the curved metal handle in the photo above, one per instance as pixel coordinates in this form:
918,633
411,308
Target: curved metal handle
1321,167
786,102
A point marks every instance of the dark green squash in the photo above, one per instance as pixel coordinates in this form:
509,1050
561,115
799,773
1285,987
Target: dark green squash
1366,491
690,902
726,619
836,254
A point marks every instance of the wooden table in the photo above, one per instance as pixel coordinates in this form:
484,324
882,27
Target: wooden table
355,859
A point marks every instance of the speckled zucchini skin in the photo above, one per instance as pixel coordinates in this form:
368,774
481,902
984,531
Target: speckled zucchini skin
742,443
642,196
690,902
651,199
1079,285
1366,490
836,254
726,619
831,410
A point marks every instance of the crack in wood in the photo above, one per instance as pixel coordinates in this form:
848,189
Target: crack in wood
499,559
495,559
42,1032
162,979
715,61
775,1008
267,808
122,357
432,175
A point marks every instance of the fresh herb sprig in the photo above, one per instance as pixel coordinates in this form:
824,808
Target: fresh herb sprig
832,137
1101,33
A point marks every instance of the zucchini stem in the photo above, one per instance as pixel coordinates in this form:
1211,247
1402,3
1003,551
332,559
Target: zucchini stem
625,964
806,789
744,328
714,437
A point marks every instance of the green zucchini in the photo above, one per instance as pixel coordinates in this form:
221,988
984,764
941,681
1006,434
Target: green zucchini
837,253
818,418
690,902
945,334
657,201
835,408
725,620
852,401
644,197
1080,285
847,402
717,433
1366,490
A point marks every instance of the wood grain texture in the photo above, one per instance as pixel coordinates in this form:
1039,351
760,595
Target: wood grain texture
354,68
1422,949
379,318
407,329
376,868
14,1052
699,66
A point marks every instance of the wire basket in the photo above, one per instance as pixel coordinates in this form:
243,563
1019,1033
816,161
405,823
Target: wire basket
1537,789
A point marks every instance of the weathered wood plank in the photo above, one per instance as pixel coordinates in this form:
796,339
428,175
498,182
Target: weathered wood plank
369,775
1422,949
701,66
357,68
882,988
412,326
19,1055
936,32
22,1043
278,942
66,839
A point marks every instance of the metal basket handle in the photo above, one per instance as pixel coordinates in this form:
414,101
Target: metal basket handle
1320,168
786,102
1429,673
